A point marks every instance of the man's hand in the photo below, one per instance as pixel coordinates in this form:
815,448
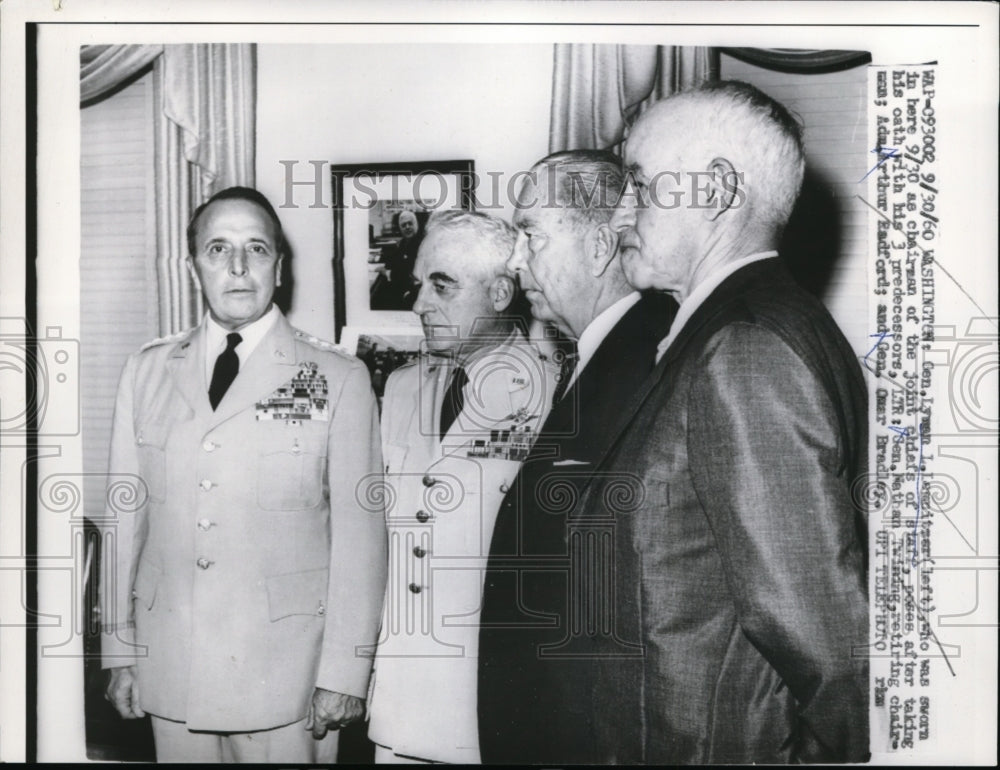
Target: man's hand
122,692
331,711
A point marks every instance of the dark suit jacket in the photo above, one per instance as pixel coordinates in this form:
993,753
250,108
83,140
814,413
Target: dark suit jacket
532,691
739,559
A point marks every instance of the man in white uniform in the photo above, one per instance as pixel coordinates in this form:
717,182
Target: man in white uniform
240,590
456,426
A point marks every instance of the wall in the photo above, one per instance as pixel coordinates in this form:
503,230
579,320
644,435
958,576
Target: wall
361,103
826,243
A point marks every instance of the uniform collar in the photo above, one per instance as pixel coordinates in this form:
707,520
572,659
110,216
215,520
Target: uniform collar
252,334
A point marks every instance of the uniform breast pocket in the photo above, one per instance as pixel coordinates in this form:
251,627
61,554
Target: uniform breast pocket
292,465
151,448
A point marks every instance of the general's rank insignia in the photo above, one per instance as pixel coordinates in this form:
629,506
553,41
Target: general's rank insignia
304,397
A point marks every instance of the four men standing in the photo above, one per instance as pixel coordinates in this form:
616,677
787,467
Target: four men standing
676,573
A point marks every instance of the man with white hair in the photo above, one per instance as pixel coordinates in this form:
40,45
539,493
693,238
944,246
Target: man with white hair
740,558
456,426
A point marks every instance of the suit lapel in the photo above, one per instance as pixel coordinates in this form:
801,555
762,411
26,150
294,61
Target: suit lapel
426,409
620,365
716,302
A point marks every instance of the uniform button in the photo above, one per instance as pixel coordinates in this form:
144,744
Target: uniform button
321,610
138,439
205,525
204,563
504,489
415,589
429,481
209,446
206,484
423,516
296,449
419,552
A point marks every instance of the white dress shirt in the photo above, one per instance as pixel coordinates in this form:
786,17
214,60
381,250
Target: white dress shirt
597,330
701,292
252,334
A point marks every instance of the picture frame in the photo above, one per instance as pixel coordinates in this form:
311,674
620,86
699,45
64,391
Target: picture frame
375,242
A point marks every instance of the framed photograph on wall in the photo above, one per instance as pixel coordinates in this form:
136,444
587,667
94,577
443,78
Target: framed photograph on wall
380,211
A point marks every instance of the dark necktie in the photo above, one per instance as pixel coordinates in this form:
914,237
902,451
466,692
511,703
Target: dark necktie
566,368
454,400
227,365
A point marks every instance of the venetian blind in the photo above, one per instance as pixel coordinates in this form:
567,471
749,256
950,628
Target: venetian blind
831,235
117,251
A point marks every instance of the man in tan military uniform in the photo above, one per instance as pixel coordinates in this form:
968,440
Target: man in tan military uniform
241,595
455,427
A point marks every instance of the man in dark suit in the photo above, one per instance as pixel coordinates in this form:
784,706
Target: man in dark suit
740,555
532,651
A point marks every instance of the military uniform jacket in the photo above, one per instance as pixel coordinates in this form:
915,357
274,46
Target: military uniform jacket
251,568
443,497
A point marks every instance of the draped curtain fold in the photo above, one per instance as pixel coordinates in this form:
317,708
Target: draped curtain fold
103,67
598,90
205,97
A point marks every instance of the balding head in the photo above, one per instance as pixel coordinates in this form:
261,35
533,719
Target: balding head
408,224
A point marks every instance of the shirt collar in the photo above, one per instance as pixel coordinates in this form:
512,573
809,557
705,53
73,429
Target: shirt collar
701,292
252,334
598,329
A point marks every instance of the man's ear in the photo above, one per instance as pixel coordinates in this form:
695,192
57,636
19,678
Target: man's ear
277,270
502,290
722,185
603,249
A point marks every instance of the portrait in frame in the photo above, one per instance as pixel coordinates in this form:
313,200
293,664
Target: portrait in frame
380,211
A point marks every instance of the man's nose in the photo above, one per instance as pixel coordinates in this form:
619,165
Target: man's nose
238,264
515,261
420,304
624,216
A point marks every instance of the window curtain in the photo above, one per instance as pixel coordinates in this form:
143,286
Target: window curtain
104,67
599,90
205,97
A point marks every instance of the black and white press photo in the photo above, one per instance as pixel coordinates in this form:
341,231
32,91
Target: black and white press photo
499,384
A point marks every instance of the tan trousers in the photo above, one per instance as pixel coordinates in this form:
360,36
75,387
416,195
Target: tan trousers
291,743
